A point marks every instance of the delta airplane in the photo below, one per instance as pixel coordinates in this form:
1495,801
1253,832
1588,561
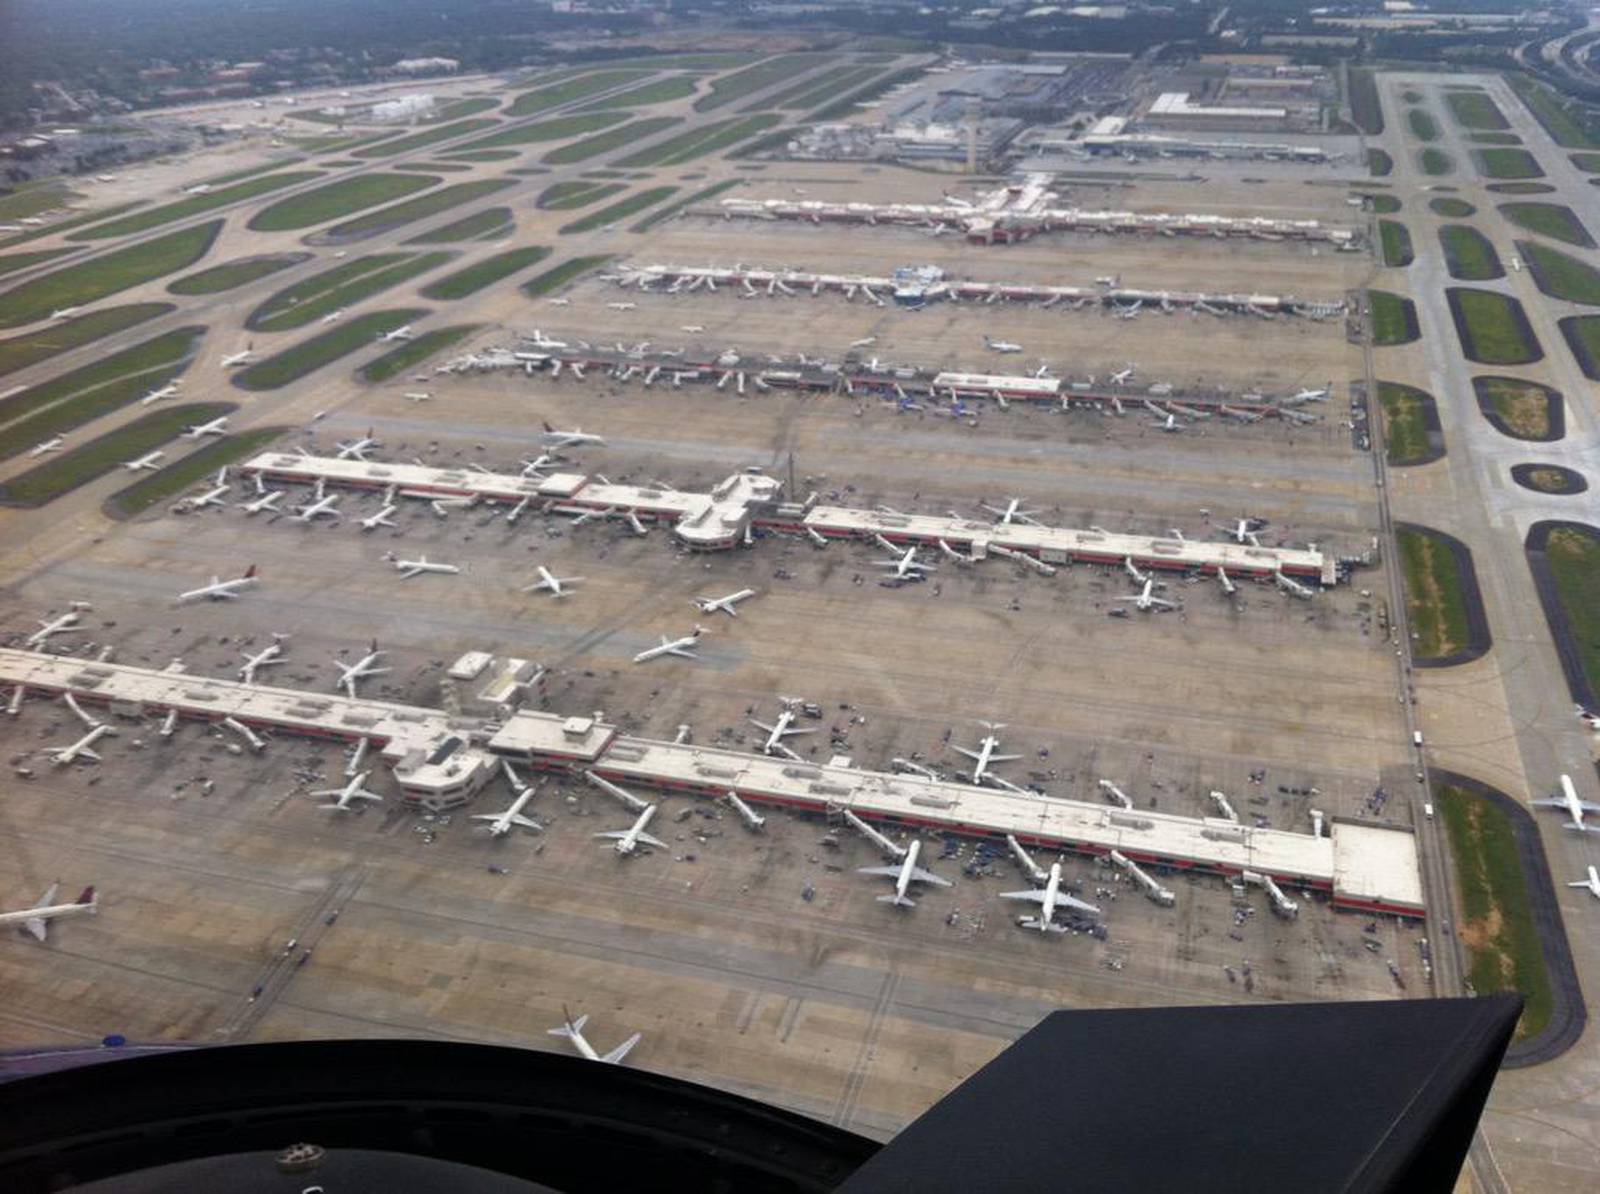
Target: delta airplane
500,824
36,920
1001,346
1049,898
267,501
556,585
322,503
53,444
906,565
166,391
1312,395
538,462
222,590
780,729
904,874
569,439
694,329
1592,883
627,840
543,341
380,519
58,625
147,461
212,496
1575,808
1122,376
985,754
711,605
64,312
241,357
411,568
682,647
623,306
267,657
559,302
864,342
572,1030
1170,423
1245,529
217,426
360,669
343,797
400,333
62,756
1012,512
357,449
333,316
1144,602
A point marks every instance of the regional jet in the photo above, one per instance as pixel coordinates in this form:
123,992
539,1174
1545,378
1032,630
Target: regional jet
61,756
1144,602
628,840
322,503
400,333
500,824
907,565
222,590
683,647
1568,800
212,496
58,625
218,426
360,670
147,461
694,329
904,874
1245,529
864,342
1122,376
1001,346
53,444
64,312
1049,898
1011,512
352,791
572,1030
266,657
357,449
569,439
985,754
1170,423
166,391
710,605
556,585
1592,883
780,729
411,568
241,357
267,501
380,519
36,920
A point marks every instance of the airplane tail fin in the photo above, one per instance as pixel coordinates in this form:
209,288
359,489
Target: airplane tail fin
249,573
88,898
621,1050
571,1028
899,901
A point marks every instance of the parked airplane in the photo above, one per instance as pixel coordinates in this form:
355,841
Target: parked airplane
1049,898
1144,602
53,444
380,519
360,669
411,568
267,501
864,342
1313,395
1012,512
357,449
627,840
556,585
985,754
1170,423
212,496
166,391
399,333
904,874
322,503
677,646
694,329
61,756
333,316
572,1030
1001,346
217,426
500,823
569,439
239,358
1122,376
906,565
560,302
352,791
710,605
147,461
1592,883
58,625
780,729
222,590
1568,800
266,657
65,312
1245,529
36,920
1133,570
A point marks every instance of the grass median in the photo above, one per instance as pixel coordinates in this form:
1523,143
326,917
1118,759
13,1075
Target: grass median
484,273
340,287
1394,319
310,355
427,137
1475,110
1436,600
235,273
1408,418
710,138
728,88
1396,243
620,210
1493,327
1507,163
338,199
1522,409
178,476
558,129
1468,255
530,103
556,277
1555,220
414,352
589,147
434,202
19,352
194,205
488,224
1561,275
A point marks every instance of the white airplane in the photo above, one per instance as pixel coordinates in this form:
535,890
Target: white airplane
166,391
985,754
1011,512
1049,898
904,873
217,426
61,756
1568,800
694,329
556,585
53,444
1001,345
538,462
627,840
682,647
333,316
623,306
864,342
572,1030
380,519
36,920
352,791
58,625
266,657
560,302
411,568
710,605
1245,529
1122,376
418,396
267,501
500,823
147,461
1592,883
1312,395
212,496
906,565
569,439
222,590
323,503
400,333
239,358
63,312
544,341
1144,602
780,729
360,669
357,449
1170,423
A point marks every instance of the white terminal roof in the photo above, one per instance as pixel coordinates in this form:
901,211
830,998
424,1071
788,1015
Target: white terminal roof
1176,103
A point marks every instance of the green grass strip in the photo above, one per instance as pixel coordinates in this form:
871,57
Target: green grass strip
340,287
178,476
567,196
235,273
1507,163
1454,209
1423,126
1394,319
1561,275
1475,110
540,99
675,151
19,352
619,210
1379,163
1492,327
484,273
1436,162
1436,602
414,352
666,213
1554,114
411,210
1396,243
488,224
429,136
605,142
1555,220
338,199
88,217
94,279
728,88
558,276
1468,254
194,205
1405,423
15,261
310,355
662,91
558,129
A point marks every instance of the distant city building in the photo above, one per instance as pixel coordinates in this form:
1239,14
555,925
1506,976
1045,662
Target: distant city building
425,66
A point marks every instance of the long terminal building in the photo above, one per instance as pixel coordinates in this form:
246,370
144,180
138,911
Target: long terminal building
441,761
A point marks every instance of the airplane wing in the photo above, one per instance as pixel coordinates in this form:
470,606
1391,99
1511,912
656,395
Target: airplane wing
1163,604
621,1050
1036,895
49,897
409,573
1063,900
1548,803
683,652
526,822
971,754
1589,808
929,877
889,872
37,926
1003,758
653,841
615,835
85,752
